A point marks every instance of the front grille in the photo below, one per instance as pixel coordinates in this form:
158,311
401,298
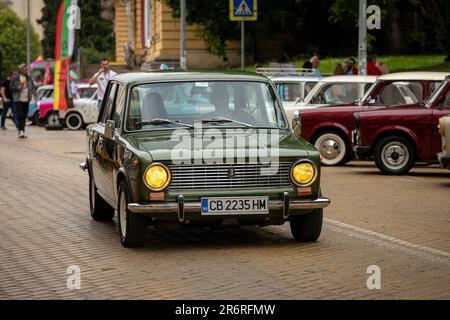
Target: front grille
216,176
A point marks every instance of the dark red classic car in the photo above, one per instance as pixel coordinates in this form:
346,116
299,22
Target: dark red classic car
398,137
329,128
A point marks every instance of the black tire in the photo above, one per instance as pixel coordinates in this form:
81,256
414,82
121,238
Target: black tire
333,147
132,226
391,149
74,121
36,120
307,227
100,209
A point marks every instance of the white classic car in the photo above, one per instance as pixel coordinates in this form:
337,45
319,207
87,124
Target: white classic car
444,129
85,110
293,89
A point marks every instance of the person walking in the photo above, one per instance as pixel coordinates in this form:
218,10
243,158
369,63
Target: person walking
372,67
350,67
8,103
315,63
103,75
338,70
23,89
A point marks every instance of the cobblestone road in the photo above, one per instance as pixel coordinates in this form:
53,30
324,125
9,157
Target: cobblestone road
401,224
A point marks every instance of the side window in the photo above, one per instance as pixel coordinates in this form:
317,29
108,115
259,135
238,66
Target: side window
120,104
390,94
109,103
417,89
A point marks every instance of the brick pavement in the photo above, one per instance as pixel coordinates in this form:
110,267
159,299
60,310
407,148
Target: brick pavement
398,223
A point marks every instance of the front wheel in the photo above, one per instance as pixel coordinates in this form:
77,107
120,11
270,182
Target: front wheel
394,155
332,148
307,227
100,209
131,226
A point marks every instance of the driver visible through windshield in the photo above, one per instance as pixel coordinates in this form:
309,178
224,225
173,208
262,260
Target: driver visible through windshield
212,103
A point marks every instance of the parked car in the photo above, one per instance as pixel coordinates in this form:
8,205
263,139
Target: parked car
85,108
329,128
85,93
398,137
141,161
43,93
337,90
444,130
293,89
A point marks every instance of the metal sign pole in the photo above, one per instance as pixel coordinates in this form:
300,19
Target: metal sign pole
183,34
362,53
242,45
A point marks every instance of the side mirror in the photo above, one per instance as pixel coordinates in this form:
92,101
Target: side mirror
110,127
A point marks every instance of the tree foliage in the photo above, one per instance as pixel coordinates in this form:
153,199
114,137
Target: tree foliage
329,27
95,35
13,50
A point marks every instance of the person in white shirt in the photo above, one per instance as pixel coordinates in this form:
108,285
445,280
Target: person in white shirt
103,75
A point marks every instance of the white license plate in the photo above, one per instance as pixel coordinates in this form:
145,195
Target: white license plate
235,206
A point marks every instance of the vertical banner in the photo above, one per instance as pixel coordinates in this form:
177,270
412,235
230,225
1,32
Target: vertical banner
65,38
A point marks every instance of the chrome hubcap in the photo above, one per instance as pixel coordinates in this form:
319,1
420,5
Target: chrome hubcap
395,155
330,149
123,215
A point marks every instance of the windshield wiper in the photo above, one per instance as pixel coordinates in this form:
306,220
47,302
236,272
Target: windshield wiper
161,121
224,120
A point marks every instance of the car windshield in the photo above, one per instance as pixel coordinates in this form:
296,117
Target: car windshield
289,91
338,93
212,103
86,93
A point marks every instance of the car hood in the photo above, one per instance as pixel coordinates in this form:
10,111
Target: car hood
163,145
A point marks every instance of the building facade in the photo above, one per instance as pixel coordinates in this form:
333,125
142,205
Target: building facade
20,8
147,35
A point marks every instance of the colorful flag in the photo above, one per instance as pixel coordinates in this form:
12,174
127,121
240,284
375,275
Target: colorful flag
65,38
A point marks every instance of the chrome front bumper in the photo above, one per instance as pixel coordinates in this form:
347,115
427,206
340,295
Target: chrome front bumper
285,206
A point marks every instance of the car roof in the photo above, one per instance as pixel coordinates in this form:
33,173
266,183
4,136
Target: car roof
161,76
295,79
350,79
417,75
86,85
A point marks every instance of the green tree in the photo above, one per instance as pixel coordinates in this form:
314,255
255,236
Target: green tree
13,50
96,34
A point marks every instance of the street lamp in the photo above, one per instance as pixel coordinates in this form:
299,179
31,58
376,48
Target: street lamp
28,36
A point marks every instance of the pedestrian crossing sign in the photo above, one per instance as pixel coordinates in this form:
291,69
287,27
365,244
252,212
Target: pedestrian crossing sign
243,10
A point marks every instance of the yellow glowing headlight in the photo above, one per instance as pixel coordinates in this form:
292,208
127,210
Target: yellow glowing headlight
157,177
304,173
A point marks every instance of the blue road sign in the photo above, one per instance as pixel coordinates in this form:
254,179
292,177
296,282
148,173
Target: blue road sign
243,10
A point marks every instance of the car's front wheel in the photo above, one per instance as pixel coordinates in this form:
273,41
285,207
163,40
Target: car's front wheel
100,209
131,226
307,227
74,121
394,155
333,148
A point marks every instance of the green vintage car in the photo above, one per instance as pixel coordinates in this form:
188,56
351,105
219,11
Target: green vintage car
200,149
